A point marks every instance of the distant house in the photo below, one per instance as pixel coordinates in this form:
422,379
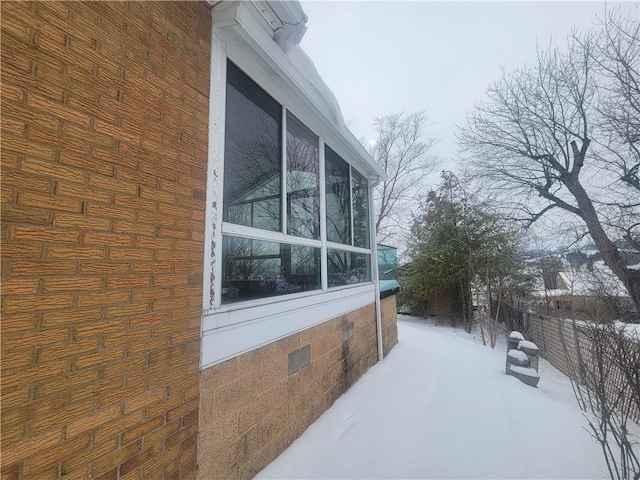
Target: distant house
189,275
590,291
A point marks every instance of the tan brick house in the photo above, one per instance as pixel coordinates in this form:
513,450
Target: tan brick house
187,280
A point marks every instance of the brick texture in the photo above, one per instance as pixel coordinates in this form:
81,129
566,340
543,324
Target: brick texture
104,149
389,323
251,409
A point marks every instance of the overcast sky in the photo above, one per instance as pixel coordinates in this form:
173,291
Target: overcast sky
386,57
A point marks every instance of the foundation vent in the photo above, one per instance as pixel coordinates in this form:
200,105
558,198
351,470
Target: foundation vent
299,359
347,331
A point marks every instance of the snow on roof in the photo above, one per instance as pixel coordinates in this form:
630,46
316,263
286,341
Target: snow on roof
556,292
631,330
301,61
289,23
270,33
289,42
598,280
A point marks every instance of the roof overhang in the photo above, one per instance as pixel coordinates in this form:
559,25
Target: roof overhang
268,33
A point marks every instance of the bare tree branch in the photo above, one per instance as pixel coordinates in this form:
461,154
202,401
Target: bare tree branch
404,153
568,130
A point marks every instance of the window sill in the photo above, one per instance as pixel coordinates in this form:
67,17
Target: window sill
282,303
245,326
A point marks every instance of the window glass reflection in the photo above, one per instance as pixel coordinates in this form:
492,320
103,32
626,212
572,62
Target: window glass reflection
346,268
303,180
360,194
338,198
257,269
252,167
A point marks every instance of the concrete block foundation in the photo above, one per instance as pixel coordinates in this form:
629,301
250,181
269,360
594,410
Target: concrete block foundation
252,407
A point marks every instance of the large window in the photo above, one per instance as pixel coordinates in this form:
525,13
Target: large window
303,180
252,154
347,202
346,268
360,195
272,182
338,198
257,268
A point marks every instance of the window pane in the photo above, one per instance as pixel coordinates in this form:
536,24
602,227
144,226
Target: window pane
345,268
303,180
388,262
257,269
252,153
338,198
360,210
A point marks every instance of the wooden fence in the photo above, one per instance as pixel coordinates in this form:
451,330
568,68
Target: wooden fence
569,347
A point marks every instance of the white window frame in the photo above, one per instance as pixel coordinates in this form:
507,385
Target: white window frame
232,329
244,231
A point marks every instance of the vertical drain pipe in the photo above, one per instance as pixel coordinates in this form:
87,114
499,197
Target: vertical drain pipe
376,276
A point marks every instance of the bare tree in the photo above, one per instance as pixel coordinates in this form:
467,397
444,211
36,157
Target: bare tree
404,153
606,383
615,49
560,135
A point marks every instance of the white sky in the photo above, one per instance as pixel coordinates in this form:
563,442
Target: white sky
380,58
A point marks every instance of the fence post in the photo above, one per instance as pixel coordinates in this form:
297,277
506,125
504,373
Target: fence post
565,349
544,340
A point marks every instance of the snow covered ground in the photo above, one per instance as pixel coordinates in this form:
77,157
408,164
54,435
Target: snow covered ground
440,406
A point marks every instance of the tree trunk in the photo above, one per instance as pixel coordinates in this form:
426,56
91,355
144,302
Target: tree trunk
467,313
480,317
495,324
610,253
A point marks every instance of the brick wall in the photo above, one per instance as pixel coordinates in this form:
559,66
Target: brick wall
104,146
389,323
253,406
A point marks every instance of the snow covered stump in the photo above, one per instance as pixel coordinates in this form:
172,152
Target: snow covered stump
522,359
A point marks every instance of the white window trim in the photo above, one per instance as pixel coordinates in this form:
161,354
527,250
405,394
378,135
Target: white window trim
324,264
351,212
215,164
230,330
348,248
267,235
231,229
224,337
283,170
